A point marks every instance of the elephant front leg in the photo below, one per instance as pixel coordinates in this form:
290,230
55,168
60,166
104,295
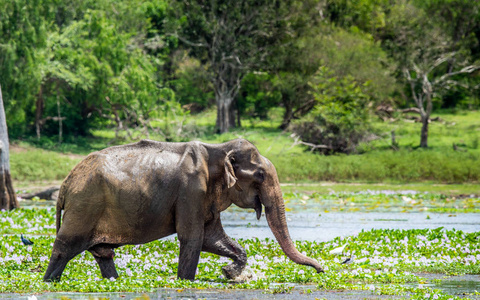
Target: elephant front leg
190,234
216,241
190,249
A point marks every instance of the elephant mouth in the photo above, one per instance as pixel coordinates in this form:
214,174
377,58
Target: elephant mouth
258,207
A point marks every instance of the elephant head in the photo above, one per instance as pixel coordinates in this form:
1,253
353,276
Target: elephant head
252,182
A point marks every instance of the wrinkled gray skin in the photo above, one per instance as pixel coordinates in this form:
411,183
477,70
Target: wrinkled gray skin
137,193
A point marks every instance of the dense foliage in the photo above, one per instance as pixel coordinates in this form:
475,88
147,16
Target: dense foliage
70,66
74,65
340,121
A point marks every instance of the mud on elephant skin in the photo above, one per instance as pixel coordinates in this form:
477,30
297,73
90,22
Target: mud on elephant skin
137,193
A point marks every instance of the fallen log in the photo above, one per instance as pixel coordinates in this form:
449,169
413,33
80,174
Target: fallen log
411,110
49,194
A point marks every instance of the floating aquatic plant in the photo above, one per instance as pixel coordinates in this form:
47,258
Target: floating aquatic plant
385,261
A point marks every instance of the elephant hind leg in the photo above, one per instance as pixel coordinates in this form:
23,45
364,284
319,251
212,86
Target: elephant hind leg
62,253
103,255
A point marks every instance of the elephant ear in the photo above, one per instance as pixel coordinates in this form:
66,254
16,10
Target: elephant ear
230,177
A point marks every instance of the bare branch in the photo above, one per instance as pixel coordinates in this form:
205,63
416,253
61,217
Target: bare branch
412,86
465,70
184,40
440,61
297,141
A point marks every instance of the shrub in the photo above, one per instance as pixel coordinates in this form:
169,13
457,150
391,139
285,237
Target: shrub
340,120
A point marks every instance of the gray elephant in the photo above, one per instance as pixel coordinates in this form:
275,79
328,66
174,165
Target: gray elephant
137,193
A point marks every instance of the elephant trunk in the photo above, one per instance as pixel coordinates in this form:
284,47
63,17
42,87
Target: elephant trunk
275,214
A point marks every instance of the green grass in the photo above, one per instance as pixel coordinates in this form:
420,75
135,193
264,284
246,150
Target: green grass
466,189
459,127
33,164
377,162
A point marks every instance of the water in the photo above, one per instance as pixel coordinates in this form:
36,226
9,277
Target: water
456,285
453,285
298,292
459,285
323,227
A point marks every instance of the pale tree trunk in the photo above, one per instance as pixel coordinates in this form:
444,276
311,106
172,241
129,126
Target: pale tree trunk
225,112
8,199
423,99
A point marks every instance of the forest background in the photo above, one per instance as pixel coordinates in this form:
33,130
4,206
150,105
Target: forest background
328,90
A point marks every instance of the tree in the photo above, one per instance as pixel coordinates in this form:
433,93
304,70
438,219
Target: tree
424,86
93,74
8,199
368,15
232,38
459,20
345,53
293,67
425,57
68,66
23,33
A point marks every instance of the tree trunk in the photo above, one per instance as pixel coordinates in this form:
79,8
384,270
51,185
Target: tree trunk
424,132
287,116
225,120
234,115
425,114
39,106
8,199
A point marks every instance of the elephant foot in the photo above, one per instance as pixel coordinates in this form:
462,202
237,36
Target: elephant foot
232,271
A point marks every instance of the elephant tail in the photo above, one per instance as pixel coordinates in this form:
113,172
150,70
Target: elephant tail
60,207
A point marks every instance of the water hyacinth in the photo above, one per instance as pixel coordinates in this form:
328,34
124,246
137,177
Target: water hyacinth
391,201
386,262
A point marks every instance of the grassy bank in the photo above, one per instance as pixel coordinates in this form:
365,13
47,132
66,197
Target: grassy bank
375,162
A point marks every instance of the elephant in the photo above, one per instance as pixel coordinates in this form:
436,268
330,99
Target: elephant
140,192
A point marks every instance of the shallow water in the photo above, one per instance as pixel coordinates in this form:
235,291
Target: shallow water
313,224
461,286
296,293
326,226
